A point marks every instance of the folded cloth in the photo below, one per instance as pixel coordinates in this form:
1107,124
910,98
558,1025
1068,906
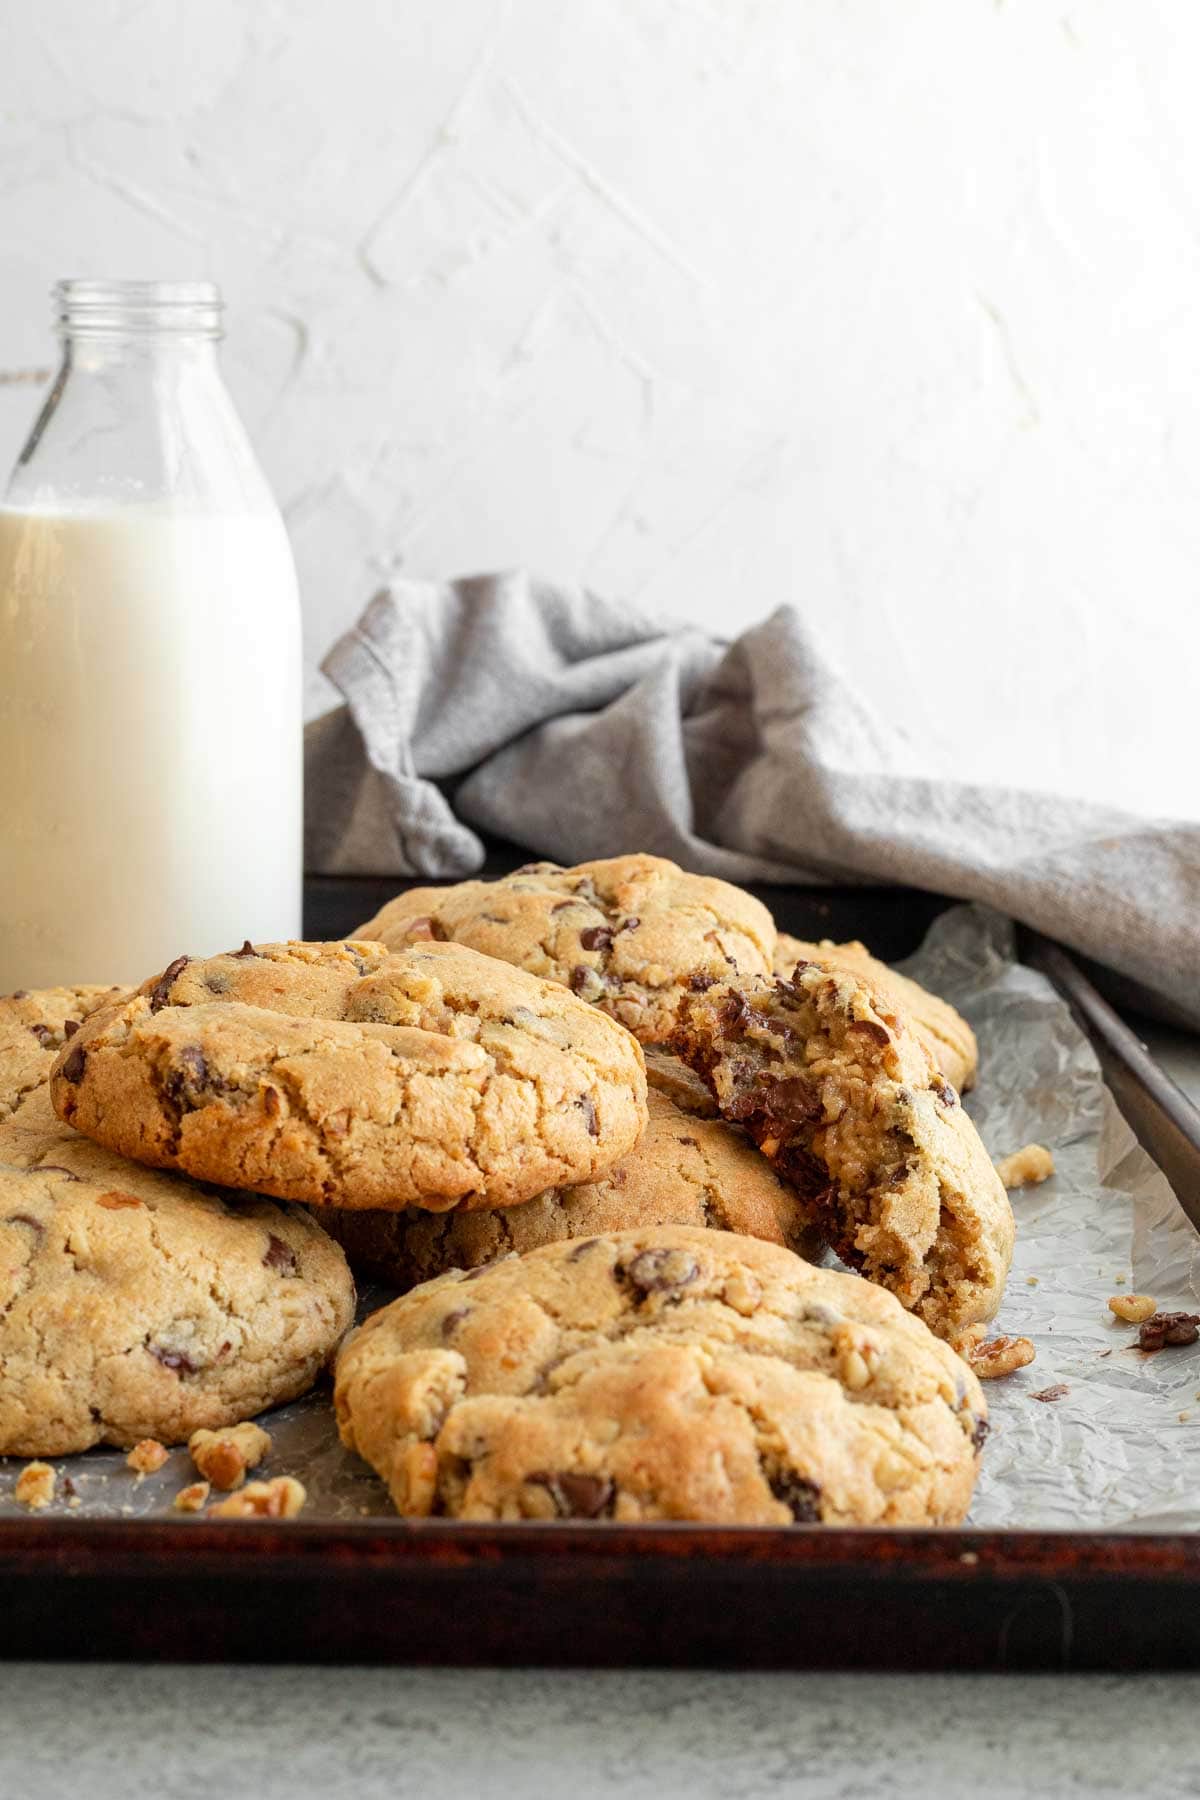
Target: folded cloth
552,717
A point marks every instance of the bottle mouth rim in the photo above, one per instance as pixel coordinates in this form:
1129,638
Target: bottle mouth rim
83,304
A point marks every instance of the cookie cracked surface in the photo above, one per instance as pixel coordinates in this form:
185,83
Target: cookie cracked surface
846,1102
343,1075
623,933
685,1171
133,1305
943,1031
668,1373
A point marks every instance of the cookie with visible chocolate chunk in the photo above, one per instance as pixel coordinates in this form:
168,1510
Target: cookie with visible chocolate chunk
684,1171
343,1075
133,1305
624,933
847,1103
34,1025
943,1031
667,1373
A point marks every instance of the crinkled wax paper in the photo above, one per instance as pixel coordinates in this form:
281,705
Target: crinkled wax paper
1121,1448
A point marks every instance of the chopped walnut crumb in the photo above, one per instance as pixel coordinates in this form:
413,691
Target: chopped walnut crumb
1059,1391
281,1498
35,1486
999,1356
1026,1167
1169,1328
148,1456
223,1457
1135,1309
192,1498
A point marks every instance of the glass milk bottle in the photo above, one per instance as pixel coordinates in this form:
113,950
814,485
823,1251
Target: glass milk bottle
150,709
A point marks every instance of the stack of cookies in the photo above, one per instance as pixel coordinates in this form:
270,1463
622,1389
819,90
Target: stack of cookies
621,1073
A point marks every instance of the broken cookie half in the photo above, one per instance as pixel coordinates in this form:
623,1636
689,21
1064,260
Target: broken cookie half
839,1093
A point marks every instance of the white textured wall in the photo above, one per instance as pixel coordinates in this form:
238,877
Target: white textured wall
890,308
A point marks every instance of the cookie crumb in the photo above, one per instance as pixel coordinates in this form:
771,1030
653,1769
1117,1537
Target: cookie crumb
35,1486
223,1457
1184,1417
147,1457
1031,1281
1026,1167
1135,1309
192,1499
281,1498
994,1357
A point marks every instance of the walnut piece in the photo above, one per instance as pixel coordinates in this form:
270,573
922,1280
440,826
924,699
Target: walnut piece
148,1456
998,1356
192,1499
1026,1167
1169,1328
1135,1309
35,1486
281,1498
223,1457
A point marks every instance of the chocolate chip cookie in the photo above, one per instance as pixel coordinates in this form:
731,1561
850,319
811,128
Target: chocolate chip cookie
847,1103
944,1032
133,1305
667,1373
624,933
343,1075
685,1171
34,1026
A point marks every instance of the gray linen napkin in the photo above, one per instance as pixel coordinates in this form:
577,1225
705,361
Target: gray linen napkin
583,729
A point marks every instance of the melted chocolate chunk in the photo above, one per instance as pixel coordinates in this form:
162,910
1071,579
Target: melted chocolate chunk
55,1169
453,1320
1169,1328
474,1274
587,1107
247,949
71,1026
42,1033
19,994
629,924
944,1091
1058,1392
659,1272
801,1496
187,1082
701,982
72,1069
279,1255
162,987
979,1432
581,1248
173,1359
871,1028
577,1496
27,1219
596,937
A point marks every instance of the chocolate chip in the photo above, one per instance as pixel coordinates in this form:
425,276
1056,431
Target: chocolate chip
1169,1328
19,994
944,1092
801,1496
453,1320
42,1033
71,1026
1057,1392
55,1169
979,1432
68,1487
189,1079
686,1140
581,1248
701,982
871,1028
735,1014
173,1359
279,1255
474,1274
581,977
34,1225
577,1496
72,1069
247,949
587,1107
596,937
659,1271
629,924
162,987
